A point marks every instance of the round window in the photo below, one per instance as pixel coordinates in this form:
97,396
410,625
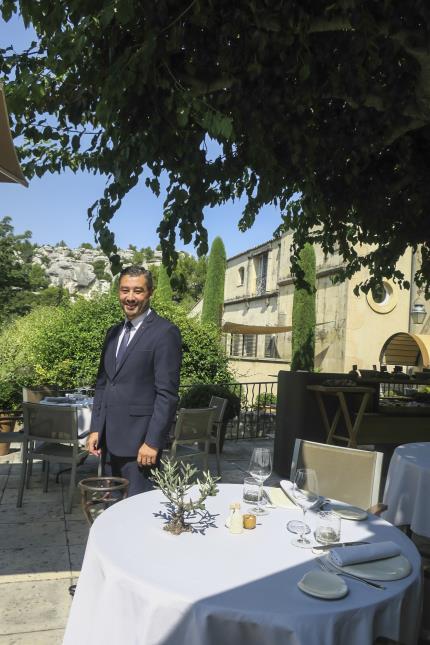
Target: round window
383,297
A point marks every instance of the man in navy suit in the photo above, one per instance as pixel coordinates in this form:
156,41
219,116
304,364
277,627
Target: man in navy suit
137,385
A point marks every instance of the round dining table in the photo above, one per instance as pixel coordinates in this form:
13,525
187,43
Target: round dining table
140,584
407,488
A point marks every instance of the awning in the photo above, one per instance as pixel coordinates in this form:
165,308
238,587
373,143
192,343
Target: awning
236,328
406,349
10,170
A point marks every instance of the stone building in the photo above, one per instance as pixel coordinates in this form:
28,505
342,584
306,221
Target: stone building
350,329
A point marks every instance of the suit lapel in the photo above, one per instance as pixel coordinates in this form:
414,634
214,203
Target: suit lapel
110,353
136,338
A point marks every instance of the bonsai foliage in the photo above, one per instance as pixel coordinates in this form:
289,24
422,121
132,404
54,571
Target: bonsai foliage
175,480
213,293
320,108
304,318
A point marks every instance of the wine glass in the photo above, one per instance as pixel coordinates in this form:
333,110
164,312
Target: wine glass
260,468
305,493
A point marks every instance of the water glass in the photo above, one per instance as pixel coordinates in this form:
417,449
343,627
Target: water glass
328,527
251,491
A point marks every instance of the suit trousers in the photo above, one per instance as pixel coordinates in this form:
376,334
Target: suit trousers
127,467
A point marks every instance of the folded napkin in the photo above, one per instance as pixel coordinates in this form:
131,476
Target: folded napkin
288,486
342,556
278,498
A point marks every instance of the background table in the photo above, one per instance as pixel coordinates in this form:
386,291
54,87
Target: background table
140,584
407,489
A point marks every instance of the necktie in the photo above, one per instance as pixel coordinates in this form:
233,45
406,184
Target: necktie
124,342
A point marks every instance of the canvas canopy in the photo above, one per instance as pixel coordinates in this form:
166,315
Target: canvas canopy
236,328
406,349
10,170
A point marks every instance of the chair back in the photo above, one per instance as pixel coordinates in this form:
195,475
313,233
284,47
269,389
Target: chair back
346,474
220,406
34,395
50,423
194,424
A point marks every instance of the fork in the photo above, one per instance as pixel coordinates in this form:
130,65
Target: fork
329,567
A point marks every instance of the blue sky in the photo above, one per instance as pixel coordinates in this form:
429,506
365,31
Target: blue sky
54,207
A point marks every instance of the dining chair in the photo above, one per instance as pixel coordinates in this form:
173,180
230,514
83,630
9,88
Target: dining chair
50,434
220,406
349,475
8,420
192,435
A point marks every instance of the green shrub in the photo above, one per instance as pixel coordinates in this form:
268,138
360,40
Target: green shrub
61,345
213,292
199,396
304,316
265,398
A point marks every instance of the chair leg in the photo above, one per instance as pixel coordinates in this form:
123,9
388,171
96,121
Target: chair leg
23,476
46,478
29,472
218,459
72,484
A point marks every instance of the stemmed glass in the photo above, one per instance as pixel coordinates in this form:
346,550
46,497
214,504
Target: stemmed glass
305,493
260,468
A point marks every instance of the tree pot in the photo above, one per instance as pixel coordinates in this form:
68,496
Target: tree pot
6,425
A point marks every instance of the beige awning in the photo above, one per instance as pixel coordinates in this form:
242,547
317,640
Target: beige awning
10,170
236,328
406,349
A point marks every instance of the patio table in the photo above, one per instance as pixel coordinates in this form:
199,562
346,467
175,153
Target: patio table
340,392
407,488
140,584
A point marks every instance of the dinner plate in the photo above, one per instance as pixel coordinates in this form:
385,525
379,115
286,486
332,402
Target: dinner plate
349,512
322,584
394,568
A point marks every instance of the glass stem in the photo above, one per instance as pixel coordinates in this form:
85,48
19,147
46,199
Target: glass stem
260,496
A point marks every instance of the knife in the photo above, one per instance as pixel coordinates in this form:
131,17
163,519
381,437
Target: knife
335,544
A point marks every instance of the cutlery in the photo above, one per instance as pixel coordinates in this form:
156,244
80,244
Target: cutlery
269,503
321,547
329,567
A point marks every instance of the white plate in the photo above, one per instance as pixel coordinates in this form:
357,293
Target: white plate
349,512
323,585
387,569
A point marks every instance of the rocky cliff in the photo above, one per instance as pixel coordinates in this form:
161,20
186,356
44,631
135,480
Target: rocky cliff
81,271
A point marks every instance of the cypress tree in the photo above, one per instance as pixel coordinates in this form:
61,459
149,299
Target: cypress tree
213,293
304,316
164,292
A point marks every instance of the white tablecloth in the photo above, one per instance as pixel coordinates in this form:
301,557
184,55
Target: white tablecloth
84,418
407,490
141,585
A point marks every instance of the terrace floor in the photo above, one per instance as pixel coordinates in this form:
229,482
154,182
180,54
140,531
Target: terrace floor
42,547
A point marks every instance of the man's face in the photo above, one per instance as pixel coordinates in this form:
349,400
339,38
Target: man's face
134,295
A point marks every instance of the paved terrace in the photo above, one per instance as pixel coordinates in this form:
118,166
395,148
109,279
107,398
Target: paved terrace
41,547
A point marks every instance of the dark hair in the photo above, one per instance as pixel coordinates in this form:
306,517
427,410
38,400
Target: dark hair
135,271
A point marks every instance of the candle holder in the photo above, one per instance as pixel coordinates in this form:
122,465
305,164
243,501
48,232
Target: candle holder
99,493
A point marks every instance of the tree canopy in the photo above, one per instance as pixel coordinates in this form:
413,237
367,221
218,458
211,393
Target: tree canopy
321,108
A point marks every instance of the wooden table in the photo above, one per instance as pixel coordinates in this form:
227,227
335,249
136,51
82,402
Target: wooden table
340,393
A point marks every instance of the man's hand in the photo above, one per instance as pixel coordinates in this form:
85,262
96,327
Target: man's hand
92,444
147,456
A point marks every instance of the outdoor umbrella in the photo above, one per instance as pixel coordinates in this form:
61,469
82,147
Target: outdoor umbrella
10,171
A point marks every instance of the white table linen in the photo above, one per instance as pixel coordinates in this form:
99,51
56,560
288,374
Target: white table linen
141,585
407,489
84,418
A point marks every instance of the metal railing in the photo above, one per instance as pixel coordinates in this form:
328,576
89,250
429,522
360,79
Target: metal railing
257,416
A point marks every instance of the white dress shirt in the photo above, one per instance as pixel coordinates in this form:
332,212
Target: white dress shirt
136,322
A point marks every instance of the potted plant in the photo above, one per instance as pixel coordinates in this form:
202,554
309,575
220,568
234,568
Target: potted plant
10,400
199,396
265,401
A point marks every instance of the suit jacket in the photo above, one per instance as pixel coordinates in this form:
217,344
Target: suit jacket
136,402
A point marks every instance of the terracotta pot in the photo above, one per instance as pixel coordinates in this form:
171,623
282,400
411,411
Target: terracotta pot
6,425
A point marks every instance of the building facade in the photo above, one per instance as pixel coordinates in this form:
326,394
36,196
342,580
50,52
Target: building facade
350,329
